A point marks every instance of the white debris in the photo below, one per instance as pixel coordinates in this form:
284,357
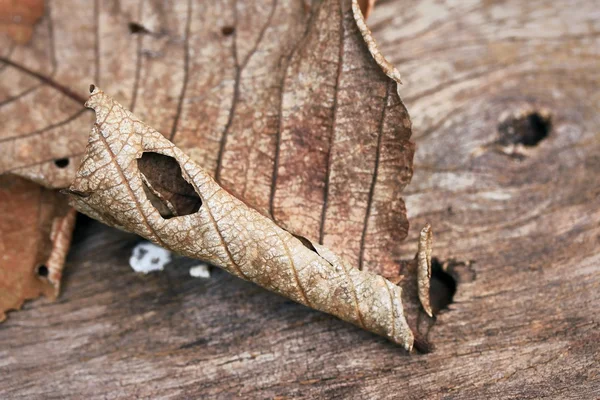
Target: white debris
200,271
147,257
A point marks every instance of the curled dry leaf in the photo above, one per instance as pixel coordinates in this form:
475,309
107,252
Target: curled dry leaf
285,105
133,178
291,108
35,228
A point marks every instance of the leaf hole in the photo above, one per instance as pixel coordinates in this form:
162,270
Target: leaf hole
526,128
61,162
43,271
443,286
135,28
165,186
228,30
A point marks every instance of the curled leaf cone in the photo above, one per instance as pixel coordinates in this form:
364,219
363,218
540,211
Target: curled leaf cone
133,178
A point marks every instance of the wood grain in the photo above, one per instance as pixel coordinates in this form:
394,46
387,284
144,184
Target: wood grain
526,326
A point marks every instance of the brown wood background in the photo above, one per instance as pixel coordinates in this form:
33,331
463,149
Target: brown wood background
524,322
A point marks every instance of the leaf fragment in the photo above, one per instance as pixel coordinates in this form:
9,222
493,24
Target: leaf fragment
291,108
224,231
17,18
35,232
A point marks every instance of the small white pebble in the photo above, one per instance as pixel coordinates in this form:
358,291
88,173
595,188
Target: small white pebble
200,271
147,257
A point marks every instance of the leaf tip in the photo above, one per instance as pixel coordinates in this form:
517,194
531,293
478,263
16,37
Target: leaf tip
387,67
424,267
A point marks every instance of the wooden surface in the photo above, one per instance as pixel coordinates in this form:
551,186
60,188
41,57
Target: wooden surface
524,321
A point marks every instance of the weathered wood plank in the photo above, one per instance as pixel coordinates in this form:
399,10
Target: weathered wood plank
525,327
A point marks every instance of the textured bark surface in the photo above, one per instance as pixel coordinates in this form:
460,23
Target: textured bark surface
524,321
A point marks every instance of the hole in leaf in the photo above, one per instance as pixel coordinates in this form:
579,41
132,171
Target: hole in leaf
443,287
165,186
62,162
134,28
527,129
227,30
43,271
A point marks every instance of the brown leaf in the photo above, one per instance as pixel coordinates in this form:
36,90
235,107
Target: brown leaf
284,105
17,18
125,180
366,6
35,227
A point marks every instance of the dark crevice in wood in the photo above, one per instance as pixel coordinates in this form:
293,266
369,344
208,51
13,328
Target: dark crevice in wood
443,286
528,129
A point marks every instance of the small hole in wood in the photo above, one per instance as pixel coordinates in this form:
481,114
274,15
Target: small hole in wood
43,271
134,28
227,30
165,186
443,287
62,162
528,128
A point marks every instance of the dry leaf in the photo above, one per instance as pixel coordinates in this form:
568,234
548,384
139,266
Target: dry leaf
133,178
366,6
283,104
17,18
35,228
36,223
